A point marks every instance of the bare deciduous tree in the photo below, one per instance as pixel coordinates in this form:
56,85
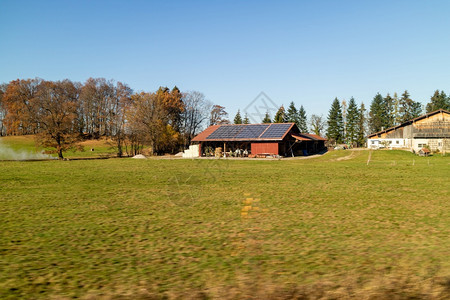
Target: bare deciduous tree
218,115
3,88
122,102
195,114
317,124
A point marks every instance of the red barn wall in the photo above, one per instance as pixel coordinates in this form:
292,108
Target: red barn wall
258,148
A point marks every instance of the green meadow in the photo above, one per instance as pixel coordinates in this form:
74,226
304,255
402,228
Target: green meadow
329,227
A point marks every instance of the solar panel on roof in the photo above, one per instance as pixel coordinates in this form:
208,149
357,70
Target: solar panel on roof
251,131
276,130
225,132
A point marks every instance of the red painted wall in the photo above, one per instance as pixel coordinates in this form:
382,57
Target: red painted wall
258,148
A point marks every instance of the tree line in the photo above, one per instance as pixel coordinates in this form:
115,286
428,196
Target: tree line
63,113
349,123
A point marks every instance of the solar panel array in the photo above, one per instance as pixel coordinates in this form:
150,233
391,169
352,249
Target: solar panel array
276,131
253,131
225,132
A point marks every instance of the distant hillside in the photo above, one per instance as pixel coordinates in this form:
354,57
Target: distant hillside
24,147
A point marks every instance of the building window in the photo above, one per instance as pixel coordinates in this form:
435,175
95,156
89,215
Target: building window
390,142
397,142
373,142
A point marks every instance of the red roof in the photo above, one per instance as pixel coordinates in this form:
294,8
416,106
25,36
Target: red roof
205,133
300,138
315,136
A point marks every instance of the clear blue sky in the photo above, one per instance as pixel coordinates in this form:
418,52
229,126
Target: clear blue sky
308,52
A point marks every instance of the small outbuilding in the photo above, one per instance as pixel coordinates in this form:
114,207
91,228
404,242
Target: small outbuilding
424,152
275,139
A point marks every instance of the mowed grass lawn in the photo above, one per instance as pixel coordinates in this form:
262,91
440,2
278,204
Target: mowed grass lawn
328,227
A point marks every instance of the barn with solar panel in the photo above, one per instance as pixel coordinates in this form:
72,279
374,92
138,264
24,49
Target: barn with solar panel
258,140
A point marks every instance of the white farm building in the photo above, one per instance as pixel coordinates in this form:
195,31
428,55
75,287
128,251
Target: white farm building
431,130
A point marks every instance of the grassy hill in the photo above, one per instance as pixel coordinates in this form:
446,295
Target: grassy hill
328,227
24,147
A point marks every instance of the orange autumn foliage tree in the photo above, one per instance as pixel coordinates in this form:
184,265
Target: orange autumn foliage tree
45,108
18,102
62,112
156,118
57,105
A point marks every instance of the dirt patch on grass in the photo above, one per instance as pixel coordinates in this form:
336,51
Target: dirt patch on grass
348,157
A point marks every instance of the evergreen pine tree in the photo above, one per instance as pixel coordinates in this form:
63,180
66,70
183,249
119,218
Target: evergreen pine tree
438,101
292,114
246,119
376,114
267,118
389,115
302,120
280,116
237,118
352,122
409,109
335,123
361,140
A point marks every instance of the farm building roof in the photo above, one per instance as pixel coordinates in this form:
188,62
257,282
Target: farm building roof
410,121
314,137
205,133
300,138
252,132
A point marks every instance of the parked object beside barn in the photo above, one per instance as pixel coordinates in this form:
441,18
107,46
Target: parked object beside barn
276,139
192,152
431,130
424,152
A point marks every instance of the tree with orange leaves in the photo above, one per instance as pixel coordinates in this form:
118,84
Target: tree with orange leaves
18,101
57,104
156,118
45,108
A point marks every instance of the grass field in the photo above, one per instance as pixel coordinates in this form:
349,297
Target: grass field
329,227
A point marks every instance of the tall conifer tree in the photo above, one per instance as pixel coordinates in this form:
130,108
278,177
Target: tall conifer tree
335,122
292,114
376,114
246,119
302,120
438,101
238,118
389,114
267,118
352,121
280,116
361,140
409,109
